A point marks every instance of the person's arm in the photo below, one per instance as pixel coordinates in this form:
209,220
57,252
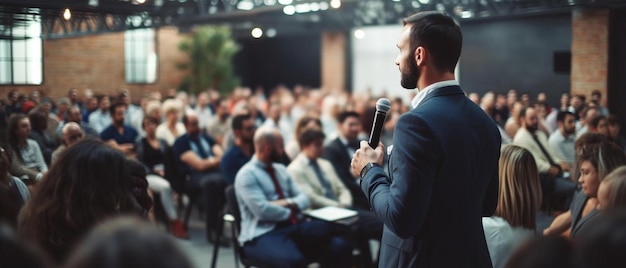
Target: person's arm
43,168
298,199
559,224
403,204
250,191
190,158
19,170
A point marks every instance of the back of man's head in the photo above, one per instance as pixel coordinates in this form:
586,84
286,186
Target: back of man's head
439,34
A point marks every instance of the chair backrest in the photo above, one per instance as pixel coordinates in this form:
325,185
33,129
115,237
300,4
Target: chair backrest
233,206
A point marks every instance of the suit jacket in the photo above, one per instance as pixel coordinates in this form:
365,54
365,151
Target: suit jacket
524,139
335,152
444,178
306,179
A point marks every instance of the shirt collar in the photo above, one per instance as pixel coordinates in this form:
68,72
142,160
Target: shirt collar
421,94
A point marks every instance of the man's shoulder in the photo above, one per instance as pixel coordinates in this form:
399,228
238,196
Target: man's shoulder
181,141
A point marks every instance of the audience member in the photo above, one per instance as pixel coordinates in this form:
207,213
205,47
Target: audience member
270,204
562,140
131,109
128,243
576,106
612,191
551,168
74,115
604,246
614,131
13,192
199,157
100,118
70,134
27,161
219,125
596,97
150,108
171,129
596,161
88,183
203,110
39,124
513,123
292,149
564,102
118,134
600,125
153,153
339,152
588,114
519,200
243,149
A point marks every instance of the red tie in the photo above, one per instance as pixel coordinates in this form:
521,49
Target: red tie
279,191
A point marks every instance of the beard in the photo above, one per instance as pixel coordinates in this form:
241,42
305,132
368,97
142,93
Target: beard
409,80
532,128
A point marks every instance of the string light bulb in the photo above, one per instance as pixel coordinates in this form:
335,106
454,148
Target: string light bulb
67,15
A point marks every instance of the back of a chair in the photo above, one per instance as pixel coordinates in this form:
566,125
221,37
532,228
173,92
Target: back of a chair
233,206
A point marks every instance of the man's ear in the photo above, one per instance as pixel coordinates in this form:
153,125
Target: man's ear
419,55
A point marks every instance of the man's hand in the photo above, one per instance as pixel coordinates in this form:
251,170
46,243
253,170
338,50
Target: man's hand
553,171
366,154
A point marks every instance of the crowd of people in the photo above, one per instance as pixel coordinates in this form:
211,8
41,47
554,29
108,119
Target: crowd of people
451,184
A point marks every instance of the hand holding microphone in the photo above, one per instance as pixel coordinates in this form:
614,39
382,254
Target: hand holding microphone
372,151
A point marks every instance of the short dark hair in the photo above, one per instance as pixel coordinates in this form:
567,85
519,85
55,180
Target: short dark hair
560,117
596,120
612,120
596,92
150,119
347,114
237,122
309,136
439,34
522,112
115,106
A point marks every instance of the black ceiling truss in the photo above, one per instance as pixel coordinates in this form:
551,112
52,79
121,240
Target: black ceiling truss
90,17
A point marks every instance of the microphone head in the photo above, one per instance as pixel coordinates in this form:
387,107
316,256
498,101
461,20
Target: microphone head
383,105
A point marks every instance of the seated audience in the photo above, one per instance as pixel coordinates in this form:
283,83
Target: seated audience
614,131
293,148
119,135
153,154
171,128
271,203
13,192
612,191
596,161
27,161
340,151
513,122
199,158
89,183
555,183
74,115
39,124
588,114
519,199
219,125
599,124
562,139
70,134
128,243
240,153
100,118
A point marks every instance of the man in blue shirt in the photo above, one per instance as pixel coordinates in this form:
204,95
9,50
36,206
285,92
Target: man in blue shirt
118,135
238,155
199,157
270,205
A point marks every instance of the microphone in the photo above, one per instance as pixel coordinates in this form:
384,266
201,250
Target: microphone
382,107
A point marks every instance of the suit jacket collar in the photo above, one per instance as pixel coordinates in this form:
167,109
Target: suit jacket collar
444,91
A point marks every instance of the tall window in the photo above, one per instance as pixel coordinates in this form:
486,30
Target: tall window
21,61
140,56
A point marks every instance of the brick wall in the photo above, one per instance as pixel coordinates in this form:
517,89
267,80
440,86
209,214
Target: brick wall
334,60
97,62
590,51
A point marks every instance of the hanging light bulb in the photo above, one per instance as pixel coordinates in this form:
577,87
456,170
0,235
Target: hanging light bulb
335,3
67,15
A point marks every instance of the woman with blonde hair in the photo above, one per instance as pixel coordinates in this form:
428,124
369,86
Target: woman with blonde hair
519,199
612,191
172,128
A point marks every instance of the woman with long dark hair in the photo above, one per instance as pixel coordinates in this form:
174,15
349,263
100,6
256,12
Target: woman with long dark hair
89,183
39,125
27,161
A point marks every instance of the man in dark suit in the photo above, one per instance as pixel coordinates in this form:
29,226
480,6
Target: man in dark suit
339,152
444,161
